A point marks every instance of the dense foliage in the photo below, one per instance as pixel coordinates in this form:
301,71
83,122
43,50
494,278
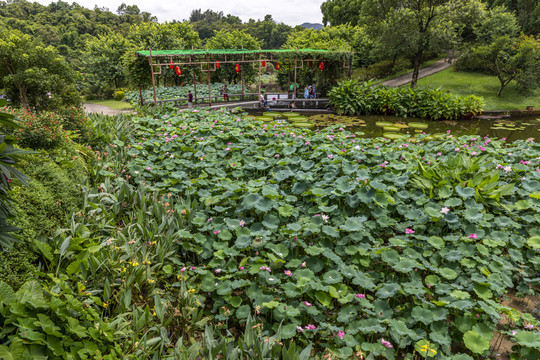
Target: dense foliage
181,92
352,97
207,226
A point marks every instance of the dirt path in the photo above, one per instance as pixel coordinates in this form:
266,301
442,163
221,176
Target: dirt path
102,109
407,78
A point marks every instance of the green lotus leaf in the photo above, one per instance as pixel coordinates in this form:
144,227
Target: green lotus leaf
423,315
534,242
432,280
448,273
476,343
347,314
418,125
243,312
288,331
436,242
483,291
390,256
458,294
353,224
528,338
406,265
401,329
323,298
388,290
466,192
332,277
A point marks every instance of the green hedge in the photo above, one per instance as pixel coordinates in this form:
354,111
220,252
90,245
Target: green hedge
352,97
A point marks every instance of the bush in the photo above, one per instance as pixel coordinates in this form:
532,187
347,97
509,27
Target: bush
119,95
75,120
40,130
472,62
351,97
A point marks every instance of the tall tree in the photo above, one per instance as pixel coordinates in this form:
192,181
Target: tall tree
514,59
103,64
32,74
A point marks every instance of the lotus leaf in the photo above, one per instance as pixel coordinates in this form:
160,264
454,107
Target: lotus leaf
476,343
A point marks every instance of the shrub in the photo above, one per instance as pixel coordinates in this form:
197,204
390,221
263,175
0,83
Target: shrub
352,97
75,120
40,130
472,62
119,95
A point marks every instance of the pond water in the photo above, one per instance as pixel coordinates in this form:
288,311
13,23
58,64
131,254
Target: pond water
377,125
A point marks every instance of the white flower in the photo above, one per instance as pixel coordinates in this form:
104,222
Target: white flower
445,210
507,168
325,217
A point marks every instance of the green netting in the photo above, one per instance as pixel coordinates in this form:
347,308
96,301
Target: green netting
232,52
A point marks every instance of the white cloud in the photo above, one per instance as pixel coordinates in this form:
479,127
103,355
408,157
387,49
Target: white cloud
290,12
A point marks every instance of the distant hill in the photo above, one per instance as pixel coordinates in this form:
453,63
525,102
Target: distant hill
312,26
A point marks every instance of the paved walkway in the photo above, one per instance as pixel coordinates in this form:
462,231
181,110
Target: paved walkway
407,78
102,109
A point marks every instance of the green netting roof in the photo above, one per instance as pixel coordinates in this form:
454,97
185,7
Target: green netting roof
232,51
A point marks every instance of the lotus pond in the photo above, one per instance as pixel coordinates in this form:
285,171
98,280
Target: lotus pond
397,127
353,244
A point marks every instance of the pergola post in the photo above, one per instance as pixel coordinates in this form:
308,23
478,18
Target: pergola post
153,79
294,88
260,65
209,91
194,84
289,79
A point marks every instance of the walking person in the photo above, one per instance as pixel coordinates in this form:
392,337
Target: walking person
190,100
262,99
225,93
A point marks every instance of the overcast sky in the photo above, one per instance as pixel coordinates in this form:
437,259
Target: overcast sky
290,12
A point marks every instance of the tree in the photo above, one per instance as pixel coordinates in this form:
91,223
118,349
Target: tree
514,59
341,12
412,23
34,74
237,39
102,62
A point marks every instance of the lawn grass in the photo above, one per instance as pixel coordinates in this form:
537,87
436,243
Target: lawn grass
486,86
113,104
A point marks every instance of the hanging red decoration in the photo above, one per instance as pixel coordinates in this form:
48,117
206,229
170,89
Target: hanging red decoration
263,64
321,66
310,63
237,67
178,70
218,64
171,65
278,66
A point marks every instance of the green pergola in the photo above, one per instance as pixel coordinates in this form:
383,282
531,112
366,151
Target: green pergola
209,58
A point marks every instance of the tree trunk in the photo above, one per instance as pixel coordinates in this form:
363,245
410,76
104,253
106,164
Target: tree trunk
140,95
417,62
22,96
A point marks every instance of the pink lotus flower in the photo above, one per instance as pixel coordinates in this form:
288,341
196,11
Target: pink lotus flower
409,231
330,156
388,344
310,327
183,269
307,304
360,296
288,272
473,236
303,265
193,268
341,334
216,232
242,223
241,268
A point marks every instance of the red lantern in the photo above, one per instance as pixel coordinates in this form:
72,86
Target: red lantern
321,66
178,71
278,66
237,67
310,63
171,65
218,64
263,64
